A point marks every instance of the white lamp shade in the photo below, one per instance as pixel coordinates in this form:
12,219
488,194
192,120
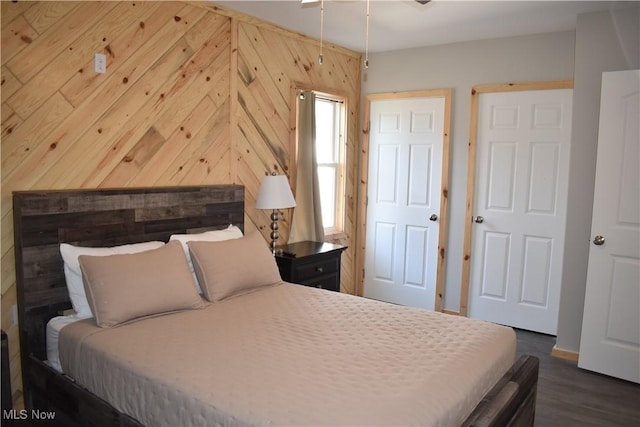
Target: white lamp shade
275,193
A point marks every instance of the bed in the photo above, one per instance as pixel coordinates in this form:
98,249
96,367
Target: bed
283,354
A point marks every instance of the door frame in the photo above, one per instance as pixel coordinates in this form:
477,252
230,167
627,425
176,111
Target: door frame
363,171
476,91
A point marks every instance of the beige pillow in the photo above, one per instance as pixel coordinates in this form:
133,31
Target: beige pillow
123,287
231,232
73,275
229,267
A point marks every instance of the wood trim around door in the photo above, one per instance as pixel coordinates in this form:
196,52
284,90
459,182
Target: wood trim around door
471,167
444,193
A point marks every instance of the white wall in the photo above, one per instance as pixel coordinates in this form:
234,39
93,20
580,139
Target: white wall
604,42
460,66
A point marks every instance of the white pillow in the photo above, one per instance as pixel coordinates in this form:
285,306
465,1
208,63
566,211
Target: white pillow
73,275
231,232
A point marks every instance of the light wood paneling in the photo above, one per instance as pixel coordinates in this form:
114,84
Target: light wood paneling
193,94
9,12
265,104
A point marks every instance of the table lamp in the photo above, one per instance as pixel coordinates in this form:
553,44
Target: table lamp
275,194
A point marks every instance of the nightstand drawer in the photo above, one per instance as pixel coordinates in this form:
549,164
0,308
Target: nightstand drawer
310,270
330,282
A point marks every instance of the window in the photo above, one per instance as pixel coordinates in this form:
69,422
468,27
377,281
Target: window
330,154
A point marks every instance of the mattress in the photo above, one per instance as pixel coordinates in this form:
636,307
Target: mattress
54,326
291,355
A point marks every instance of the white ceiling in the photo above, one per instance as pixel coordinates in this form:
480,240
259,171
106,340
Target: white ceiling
401,24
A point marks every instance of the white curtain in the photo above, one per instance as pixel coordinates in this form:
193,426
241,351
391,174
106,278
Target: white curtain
307,215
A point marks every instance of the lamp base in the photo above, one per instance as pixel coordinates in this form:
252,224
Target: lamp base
274,230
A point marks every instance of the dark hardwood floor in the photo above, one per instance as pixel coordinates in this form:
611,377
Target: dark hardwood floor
570,396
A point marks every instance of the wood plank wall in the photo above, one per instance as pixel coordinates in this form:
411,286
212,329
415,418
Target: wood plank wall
193,94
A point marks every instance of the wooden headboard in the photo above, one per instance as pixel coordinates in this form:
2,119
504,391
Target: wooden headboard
103,217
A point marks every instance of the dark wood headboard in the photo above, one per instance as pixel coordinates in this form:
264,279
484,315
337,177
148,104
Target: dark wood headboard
102,217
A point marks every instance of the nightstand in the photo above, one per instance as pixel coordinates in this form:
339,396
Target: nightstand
310,263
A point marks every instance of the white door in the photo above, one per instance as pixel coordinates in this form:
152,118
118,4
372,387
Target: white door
610,342
520,207
404,186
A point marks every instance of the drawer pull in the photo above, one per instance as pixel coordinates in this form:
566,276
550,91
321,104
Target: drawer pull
319,269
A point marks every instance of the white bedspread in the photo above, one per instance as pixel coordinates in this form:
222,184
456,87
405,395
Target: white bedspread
291,355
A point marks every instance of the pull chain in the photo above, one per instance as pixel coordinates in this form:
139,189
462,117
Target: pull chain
366,40
321,57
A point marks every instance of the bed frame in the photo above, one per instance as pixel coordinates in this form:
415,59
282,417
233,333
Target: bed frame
109,217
